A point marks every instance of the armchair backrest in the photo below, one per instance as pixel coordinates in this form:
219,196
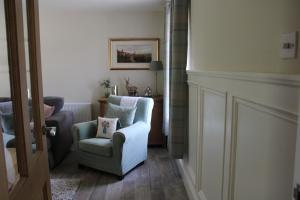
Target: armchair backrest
144,108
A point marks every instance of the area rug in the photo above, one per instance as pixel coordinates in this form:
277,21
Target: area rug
64,189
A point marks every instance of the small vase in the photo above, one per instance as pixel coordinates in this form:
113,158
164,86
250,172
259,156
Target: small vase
107,93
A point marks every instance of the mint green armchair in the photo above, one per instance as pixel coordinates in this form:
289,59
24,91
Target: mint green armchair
127,148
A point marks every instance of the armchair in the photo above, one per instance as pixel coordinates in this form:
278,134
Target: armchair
127,148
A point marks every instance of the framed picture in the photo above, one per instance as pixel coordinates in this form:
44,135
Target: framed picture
133,53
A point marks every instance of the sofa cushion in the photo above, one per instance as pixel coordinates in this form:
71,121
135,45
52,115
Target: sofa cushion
5,99
57,102
125,114
7,138
48,111
6,107
98,146
7,123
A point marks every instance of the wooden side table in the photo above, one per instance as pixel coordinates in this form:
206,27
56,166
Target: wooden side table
103,105
156,136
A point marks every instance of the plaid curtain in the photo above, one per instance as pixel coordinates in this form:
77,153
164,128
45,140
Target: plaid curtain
167,60
178,88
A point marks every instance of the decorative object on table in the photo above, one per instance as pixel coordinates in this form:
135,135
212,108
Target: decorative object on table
148,92
114,90
156,66
132,53
64,189
131,89
106,85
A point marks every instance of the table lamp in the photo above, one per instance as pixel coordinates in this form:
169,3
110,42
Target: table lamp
156,66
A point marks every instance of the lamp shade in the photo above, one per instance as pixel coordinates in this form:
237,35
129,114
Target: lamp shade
156,66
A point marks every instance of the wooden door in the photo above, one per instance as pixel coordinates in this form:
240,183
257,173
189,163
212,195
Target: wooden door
32,165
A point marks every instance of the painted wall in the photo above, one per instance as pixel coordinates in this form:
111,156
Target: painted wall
75,50
74,47
4,78
242,35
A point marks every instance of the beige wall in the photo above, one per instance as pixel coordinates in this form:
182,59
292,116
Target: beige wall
75,50
243,35
74,47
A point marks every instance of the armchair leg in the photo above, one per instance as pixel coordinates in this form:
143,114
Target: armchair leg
80,166
121,177
141,163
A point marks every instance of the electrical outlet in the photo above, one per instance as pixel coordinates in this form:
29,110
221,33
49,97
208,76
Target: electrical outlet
289,43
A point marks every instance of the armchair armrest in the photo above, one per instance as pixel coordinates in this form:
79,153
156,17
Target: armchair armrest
131,133
130,140
84,130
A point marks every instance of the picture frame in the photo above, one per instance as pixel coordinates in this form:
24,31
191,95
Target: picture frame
133,53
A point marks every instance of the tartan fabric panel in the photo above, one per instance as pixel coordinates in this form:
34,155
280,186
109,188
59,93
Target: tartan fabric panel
167,46
178,79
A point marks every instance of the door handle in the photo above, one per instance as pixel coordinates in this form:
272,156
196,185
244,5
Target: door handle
51,131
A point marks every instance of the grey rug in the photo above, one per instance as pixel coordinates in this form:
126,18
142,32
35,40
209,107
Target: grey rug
64,189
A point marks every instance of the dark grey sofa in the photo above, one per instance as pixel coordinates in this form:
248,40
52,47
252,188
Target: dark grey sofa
58,145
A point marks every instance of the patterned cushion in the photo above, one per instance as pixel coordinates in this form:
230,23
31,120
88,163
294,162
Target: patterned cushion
106,127
125,114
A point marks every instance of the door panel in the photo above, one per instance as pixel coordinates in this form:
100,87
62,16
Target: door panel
6,109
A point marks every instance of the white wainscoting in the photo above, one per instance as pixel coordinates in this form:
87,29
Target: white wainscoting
242,136
82,111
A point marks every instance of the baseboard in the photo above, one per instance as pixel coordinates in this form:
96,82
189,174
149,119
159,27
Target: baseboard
191,192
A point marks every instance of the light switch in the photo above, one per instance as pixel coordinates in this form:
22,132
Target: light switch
289,42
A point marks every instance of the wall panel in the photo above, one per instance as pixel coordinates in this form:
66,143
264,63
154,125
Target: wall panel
246,129
213,144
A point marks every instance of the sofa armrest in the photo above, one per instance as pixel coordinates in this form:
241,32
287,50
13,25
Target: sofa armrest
84,130
62,141
130,139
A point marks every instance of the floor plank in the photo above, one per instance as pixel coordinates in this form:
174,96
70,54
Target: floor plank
157,179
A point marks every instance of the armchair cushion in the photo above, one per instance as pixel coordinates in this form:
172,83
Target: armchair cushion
98,146
125,114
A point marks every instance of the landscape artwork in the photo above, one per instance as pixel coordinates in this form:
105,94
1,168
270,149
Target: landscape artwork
127,54
134,53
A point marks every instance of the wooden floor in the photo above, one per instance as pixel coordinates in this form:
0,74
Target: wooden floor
157,179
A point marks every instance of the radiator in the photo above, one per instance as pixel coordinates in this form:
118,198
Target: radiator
82,111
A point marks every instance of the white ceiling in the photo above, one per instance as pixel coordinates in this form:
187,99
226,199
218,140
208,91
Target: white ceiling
136,5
